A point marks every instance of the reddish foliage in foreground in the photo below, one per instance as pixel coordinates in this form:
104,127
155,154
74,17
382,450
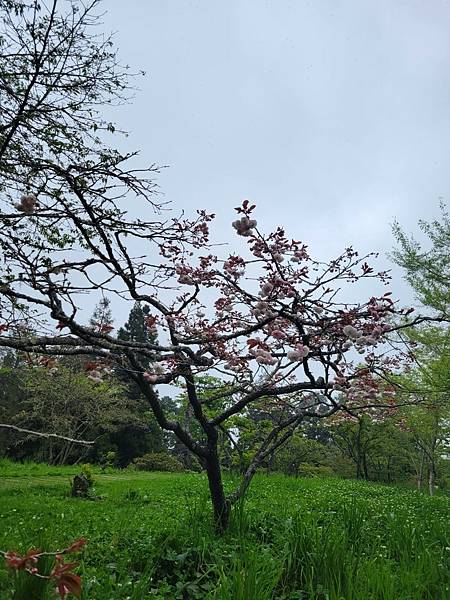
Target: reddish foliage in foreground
62,574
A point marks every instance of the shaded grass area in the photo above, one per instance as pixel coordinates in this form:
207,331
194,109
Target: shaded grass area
151,537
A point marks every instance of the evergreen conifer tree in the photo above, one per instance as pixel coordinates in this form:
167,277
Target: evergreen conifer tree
137,439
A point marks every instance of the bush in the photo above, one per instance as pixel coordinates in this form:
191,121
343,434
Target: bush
307,470
109,459
158,461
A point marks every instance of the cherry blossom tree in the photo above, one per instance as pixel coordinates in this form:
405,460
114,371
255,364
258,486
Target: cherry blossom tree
76,218
268,322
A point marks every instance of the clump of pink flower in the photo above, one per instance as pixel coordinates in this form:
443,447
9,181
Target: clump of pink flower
263,357
244,226
299,353
351,332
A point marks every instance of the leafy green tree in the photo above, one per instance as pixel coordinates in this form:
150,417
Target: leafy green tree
427,269
354,437
11,394
138,328
378,448
67,403
388,457
300,450
429,420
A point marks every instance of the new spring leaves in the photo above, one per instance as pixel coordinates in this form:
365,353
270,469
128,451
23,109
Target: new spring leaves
62,575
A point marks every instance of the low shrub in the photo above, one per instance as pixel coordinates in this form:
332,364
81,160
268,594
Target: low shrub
158,461
307,470
108,460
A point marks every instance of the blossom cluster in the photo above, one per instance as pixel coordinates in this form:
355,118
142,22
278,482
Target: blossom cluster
244,226
272,313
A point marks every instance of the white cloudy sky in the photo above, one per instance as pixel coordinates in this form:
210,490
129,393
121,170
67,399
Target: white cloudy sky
333,116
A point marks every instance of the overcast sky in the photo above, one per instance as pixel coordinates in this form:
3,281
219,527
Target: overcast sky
332,116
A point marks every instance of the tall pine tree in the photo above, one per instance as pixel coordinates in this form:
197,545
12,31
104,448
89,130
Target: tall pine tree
144,436
102,319
136,329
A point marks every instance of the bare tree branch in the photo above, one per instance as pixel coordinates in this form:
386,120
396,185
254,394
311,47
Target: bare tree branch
46,435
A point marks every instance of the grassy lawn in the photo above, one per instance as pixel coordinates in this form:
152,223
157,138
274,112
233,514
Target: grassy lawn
150,537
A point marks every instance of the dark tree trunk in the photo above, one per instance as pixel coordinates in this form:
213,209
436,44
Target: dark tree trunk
365,469
221,508
420,472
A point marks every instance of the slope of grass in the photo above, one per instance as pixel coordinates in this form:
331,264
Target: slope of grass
150,537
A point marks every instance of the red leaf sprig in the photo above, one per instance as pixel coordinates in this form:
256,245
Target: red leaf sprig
67,582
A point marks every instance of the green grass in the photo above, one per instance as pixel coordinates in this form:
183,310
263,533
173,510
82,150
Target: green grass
150,537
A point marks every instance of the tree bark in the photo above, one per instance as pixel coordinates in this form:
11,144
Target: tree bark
431,478
221,508
420,473
364,464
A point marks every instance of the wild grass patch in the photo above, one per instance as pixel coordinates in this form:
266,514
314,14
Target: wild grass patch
151,537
